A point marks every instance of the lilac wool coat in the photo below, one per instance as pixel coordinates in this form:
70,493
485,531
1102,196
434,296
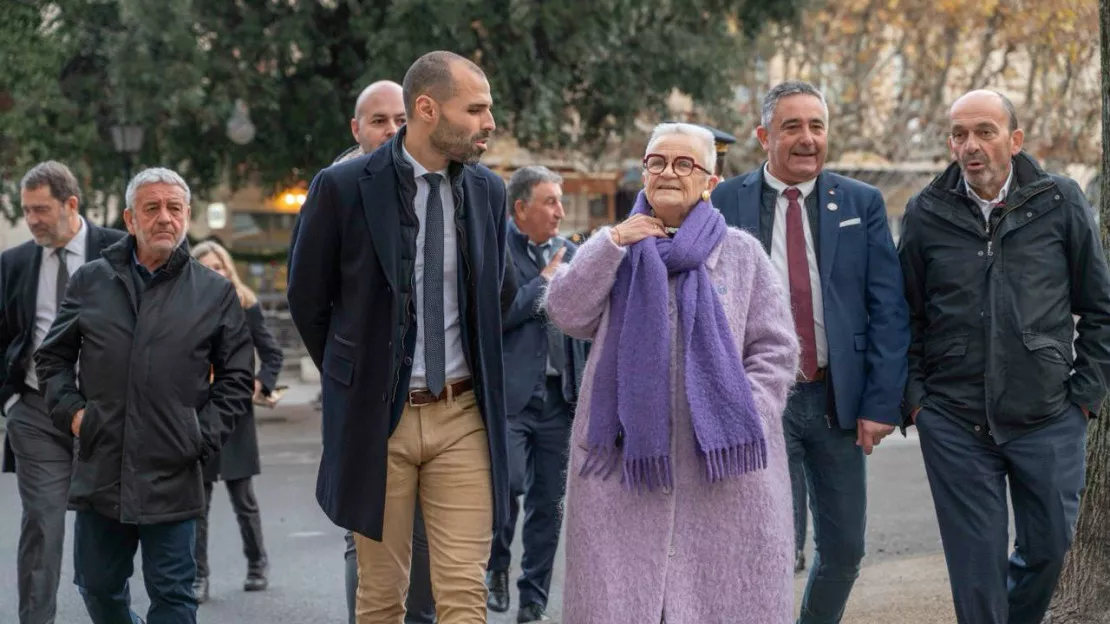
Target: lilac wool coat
701,553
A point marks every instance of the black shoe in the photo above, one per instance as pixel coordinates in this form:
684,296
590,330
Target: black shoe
200,589
256,577
498,583
531,613
799,562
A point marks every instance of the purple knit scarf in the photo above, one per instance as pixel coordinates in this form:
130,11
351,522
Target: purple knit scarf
630,411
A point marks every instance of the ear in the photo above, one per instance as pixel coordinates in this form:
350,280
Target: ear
763,136
518,209
354,128
426,109
952,148
1017,141
713,181
129,220
71,205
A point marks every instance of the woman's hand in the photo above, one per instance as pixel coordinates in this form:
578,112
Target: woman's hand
635,229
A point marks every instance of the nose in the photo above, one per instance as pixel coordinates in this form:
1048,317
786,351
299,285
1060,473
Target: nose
488,124
391,129
559,212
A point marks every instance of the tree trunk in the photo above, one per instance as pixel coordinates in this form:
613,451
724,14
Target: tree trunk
1083,595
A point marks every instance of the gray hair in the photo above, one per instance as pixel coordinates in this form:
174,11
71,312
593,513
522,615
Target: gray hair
706,146
525,179
56,176
155,175
787,89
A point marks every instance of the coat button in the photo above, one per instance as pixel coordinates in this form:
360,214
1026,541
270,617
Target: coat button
1029,214
978,428
1057,198
672,553
980,253
408,361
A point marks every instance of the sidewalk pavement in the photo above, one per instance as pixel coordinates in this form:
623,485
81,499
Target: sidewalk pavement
913,590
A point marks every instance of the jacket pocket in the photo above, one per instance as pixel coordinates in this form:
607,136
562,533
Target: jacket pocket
944,352
86,433
173,440
339,360
1037,373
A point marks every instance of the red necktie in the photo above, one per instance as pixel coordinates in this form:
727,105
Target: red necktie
801,291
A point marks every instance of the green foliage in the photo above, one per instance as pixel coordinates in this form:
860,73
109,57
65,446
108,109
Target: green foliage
563,74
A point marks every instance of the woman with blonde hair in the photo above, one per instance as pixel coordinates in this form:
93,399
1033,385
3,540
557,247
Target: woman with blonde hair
238,460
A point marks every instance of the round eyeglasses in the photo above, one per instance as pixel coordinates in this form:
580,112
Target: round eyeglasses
682,166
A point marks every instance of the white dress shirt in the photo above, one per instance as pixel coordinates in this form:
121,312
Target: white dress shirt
46,297
781,263
453,355
987,205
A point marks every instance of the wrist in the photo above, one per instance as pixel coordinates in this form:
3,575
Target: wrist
615,236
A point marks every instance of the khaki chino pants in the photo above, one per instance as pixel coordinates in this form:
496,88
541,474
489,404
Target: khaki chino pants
441,451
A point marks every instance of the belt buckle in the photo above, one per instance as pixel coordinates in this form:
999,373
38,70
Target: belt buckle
412,399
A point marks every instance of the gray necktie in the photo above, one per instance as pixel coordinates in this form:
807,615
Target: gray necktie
62,280
434,357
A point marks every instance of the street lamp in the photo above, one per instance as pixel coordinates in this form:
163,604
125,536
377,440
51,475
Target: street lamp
128,140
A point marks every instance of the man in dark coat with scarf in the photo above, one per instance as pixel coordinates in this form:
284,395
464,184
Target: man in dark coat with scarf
398,300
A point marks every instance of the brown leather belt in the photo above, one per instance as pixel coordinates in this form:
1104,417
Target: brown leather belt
818,376
423,396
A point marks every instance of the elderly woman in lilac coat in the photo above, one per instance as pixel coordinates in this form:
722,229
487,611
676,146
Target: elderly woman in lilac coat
678,495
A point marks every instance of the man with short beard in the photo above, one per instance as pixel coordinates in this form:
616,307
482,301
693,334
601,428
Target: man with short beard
998,256
379,114
34,277
398,300
149,363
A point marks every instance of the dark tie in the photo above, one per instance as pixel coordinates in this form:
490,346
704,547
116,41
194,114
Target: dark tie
62,280
801,291
434,357
539,254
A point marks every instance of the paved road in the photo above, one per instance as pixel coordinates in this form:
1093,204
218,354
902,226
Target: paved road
306,550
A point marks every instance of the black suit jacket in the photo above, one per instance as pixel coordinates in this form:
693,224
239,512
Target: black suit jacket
19,282
350,297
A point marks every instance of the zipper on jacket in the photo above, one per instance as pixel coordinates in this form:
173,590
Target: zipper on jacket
989,327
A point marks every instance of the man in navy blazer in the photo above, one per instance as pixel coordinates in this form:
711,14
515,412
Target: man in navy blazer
538,408
828,238
396,286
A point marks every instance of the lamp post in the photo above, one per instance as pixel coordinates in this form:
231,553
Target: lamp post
128,140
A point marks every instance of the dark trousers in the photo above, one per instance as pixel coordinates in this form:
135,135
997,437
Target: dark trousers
420,606
837,482
245,505
103,562
538,439
968,474
44,464
798,493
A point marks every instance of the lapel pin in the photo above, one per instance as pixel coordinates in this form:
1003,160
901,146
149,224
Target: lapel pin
833,206
832,191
